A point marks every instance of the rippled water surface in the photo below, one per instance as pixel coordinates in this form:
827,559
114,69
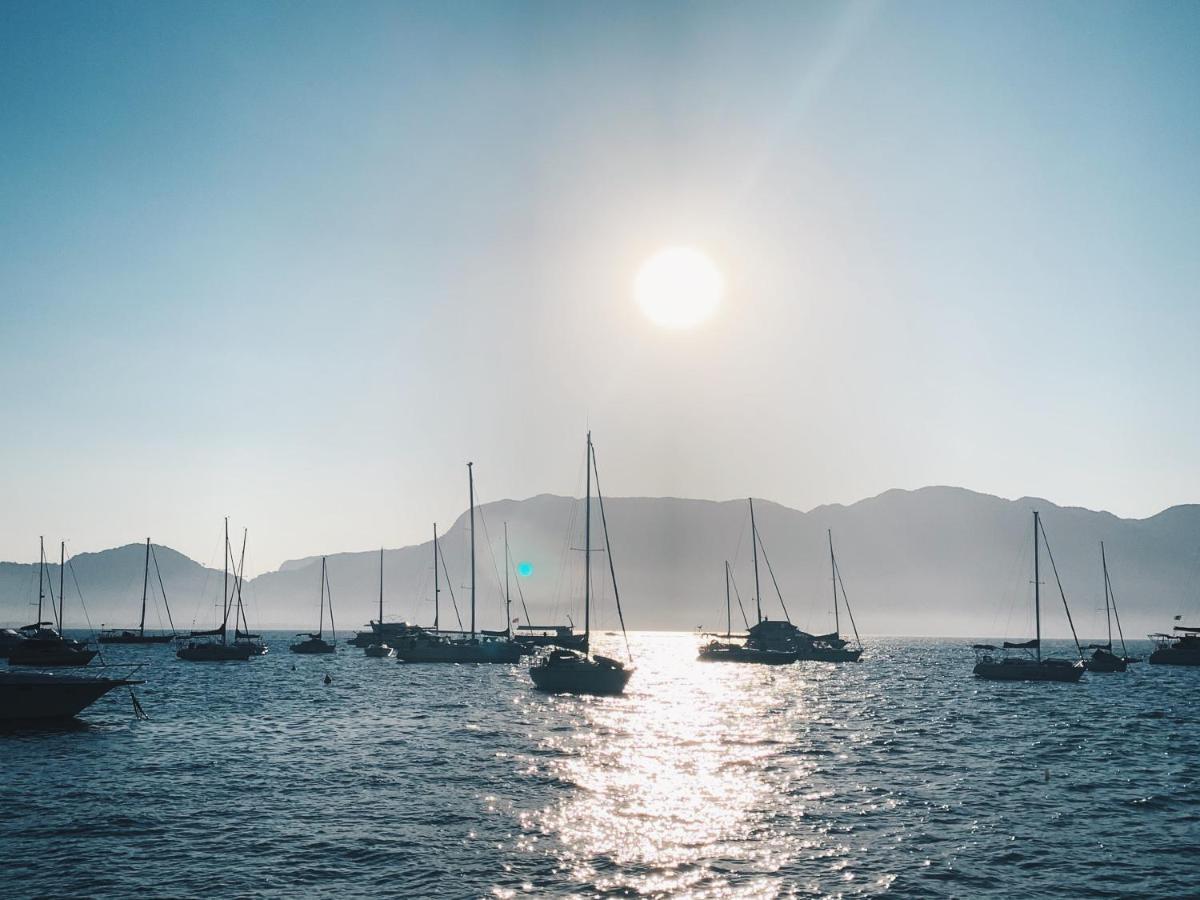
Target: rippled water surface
901,776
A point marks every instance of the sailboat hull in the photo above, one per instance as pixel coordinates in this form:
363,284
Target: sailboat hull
214,653
40,697
1106,662
316,645
132,637
580,676
458,652
736,654
1173,656
1029,670
33,653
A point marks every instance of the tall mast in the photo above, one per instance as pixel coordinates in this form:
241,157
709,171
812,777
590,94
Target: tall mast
1107,608
380,585
754,543
437,588
507,598
471,486
321,614
587,547
1037,589
145,585
833,577
41,579
225,598
728,614
62,562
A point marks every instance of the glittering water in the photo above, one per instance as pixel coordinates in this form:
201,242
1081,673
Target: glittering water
901,776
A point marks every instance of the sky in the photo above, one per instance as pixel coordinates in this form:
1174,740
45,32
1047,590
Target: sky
296,263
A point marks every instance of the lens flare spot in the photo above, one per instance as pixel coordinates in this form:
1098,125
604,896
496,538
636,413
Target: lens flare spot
525,569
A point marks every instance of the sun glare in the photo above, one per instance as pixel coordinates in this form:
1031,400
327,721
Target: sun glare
678,287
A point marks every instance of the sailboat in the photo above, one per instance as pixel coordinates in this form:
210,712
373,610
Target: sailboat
42,644
564,671
723,647
1103,659
214,645
316,643
378,648
241,628
421,646
832,647
112,636
1029,665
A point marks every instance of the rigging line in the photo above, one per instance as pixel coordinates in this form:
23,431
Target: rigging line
1061,593
612,570
1113,597
837,570
763,548
491,549
83,606
449,585
162,587
520,593
736,593
741,537
329,603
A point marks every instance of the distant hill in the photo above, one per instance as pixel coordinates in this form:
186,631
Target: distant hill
935,561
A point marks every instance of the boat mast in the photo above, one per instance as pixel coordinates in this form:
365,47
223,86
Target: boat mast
1107,608
837,627
321,614
145,585
41,579
754,543
471,486
507,598
437,587
587,548
62,562
225,598
1037,593
380,586
728,613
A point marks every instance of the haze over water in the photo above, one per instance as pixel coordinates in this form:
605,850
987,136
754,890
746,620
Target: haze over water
902,776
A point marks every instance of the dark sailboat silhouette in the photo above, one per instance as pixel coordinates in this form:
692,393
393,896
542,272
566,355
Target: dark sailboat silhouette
113,636
241,628
1029,665
564,671
42,645
214,645
421,646
314,642
1103,659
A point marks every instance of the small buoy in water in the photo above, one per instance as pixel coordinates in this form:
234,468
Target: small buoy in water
1045,774
329,680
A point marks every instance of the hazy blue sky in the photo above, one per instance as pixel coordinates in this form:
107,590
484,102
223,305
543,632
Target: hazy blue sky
298,262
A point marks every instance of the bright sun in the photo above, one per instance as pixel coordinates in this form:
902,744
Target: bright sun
678,287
